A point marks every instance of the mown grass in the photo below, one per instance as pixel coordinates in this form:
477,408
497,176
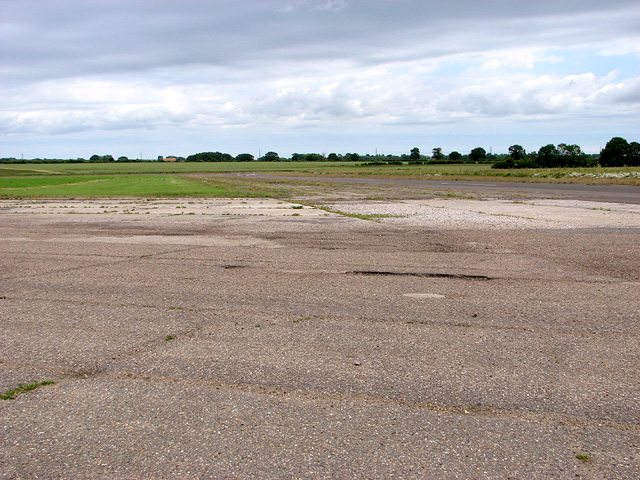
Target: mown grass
307,168
163,179
116,168
117,186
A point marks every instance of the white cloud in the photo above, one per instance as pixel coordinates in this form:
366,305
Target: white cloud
316,65
365,97
333,5
519,59
78,104
314,5
625,93
527,95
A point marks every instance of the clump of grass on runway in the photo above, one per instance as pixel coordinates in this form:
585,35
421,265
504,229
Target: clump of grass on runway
11,394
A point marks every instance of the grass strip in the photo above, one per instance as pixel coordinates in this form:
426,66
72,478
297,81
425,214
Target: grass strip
477,172
373,216
112,186
11,394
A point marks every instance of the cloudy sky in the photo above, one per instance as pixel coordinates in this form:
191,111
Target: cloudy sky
176,77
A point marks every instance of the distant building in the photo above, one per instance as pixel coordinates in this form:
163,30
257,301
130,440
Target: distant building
169,159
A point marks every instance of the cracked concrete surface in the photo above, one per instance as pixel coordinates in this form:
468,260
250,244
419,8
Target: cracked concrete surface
232,340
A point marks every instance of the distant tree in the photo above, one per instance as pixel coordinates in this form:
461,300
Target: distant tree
436,153
507,162
455,156
351,157
270,157
210,157
415,154
123,159
634,154
333,157
548,156
571,156
244,157
296,157
616,153
101,158
313,157
477,154
516,152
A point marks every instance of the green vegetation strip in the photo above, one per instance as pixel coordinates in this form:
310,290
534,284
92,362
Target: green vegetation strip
113,186
11,394
374,216
319,169
200,179
137,168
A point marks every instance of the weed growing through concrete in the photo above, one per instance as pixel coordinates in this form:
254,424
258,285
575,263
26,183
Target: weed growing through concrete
11,394
584,458
168,338
373,217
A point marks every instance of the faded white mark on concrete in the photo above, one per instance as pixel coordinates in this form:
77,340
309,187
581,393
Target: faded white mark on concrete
423,295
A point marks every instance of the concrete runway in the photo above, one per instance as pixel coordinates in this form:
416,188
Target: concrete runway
257,339
625,194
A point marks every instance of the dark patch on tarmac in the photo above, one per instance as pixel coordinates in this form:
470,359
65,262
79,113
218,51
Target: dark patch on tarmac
419,274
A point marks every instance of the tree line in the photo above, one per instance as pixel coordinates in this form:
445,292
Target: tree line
617,153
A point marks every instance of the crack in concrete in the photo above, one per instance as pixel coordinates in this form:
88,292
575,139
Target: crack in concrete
420,274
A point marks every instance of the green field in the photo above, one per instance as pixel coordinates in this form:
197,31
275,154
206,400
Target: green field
115,168
116,186
158,179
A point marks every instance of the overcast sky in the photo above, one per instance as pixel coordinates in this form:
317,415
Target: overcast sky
161,77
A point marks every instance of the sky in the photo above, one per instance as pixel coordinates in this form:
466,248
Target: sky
143,78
